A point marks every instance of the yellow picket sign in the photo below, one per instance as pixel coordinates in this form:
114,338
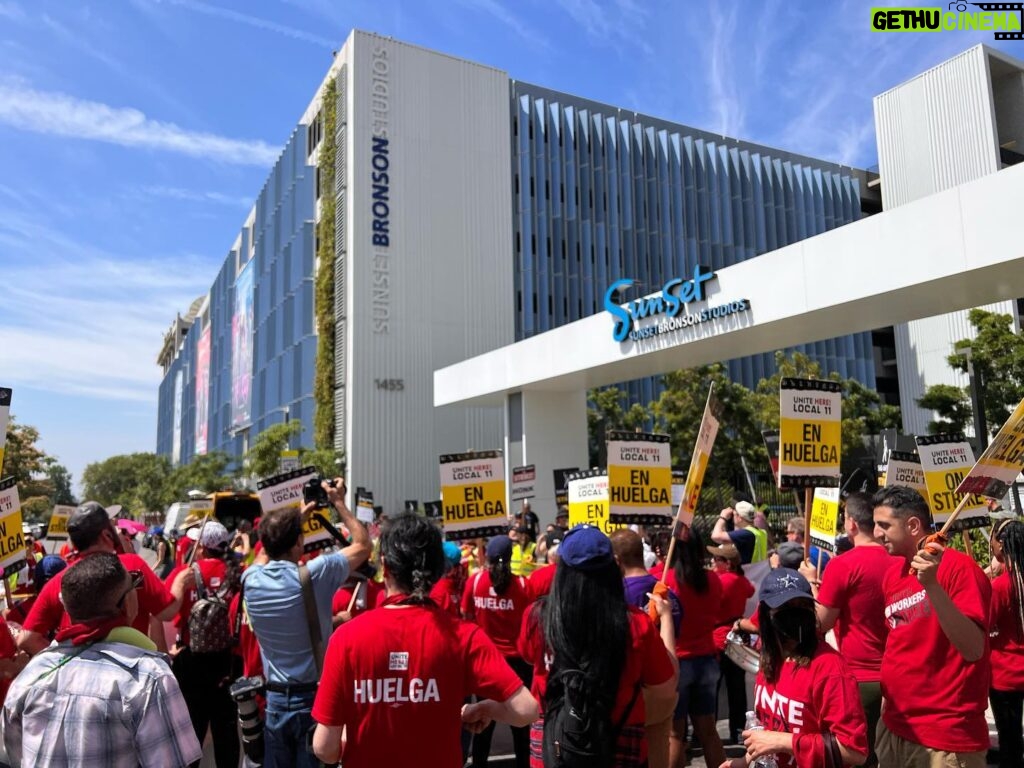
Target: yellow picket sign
588,500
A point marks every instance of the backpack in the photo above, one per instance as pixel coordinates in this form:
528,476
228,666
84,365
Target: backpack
208,627
578,732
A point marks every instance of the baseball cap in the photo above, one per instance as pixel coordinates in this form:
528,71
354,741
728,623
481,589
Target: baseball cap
212,535
791,554
782,585
88,521
49,567
745,510
728,551
452,553
499,548
586,548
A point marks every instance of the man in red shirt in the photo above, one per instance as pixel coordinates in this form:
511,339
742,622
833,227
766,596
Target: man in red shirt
91,530
850,599
396,679
935,668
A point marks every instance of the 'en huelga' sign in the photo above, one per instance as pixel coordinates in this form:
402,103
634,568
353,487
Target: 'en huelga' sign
639,478
810,428
473,494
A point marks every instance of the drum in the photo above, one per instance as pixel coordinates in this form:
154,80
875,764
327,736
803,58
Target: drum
738,649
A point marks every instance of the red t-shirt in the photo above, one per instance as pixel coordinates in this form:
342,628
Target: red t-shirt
365,600
736,590
181,550
447,592
500,616
852,584
823,695
213,571
248,647
647,662
397,678
47,615
932,696
8,650
541,581
657,569
1007,638
700,614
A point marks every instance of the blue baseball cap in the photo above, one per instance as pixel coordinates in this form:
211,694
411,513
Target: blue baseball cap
452,553
499,548
782,585
586,548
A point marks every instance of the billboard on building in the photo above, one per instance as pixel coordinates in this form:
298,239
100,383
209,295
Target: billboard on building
202,391
241,347
179,381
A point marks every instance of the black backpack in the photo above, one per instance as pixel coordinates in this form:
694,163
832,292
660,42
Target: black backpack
578,732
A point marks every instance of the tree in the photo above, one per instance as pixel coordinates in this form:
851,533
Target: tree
680,407
137,481
264,456
951,404
997,354
207,472
27,463
61,480
863,411
606,412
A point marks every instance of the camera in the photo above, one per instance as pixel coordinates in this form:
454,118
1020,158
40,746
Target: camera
244,691
314,491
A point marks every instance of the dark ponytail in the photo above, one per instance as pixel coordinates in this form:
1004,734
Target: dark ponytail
1010,534
500,571
689,558
411,547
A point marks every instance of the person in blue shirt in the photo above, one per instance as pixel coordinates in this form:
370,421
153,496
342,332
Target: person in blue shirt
277,614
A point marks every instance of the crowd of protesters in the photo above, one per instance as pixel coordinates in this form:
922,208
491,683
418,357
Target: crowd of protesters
395,647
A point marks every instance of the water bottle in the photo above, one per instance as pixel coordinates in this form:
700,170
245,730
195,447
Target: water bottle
765,761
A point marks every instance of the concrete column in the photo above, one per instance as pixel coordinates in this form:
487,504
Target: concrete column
548,430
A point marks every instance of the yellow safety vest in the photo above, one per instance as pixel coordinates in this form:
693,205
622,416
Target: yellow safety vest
524,562
760,544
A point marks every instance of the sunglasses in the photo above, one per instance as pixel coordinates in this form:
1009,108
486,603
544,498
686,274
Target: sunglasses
137,580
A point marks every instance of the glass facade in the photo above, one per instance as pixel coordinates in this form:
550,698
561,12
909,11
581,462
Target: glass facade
279,243
602,193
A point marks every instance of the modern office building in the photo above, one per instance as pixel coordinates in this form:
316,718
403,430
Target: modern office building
958,121
470,211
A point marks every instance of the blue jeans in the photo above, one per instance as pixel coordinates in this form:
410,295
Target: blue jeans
289,718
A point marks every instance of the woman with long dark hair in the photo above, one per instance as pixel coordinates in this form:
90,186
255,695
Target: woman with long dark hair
497,600
591,650
396,677
700,593
1007,691
804,696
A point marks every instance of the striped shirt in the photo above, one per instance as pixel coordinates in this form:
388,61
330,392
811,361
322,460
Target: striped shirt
109,704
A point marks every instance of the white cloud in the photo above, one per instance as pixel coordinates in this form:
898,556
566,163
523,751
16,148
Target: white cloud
619,25
502,14
58,114
79,320
11,11
257,22
722,81
197,196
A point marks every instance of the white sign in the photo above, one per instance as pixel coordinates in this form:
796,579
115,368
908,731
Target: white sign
524,479
5,412
285,492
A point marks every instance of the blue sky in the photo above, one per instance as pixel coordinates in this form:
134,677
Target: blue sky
134,134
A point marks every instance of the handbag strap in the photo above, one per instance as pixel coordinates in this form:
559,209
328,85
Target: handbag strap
200,586
312,618
833,757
